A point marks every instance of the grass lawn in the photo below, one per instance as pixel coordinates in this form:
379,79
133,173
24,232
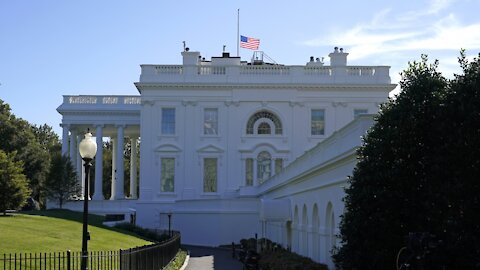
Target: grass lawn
59,230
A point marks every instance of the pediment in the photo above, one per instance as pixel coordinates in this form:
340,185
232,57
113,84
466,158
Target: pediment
265,145
168,148
210,149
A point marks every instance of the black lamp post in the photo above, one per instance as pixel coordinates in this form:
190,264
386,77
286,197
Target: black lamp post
88,149
169,224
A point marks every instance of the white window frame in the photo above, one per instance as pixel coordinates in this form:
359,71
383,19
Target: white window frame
162,172
204,131
356,112
216,174
324,121
162,131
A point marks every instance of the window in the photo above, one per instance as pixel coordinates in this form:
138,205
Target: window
210,121
210,175
264,128
277,124
249,172
318,122
358,112
167,180
264,161
278,165
168,121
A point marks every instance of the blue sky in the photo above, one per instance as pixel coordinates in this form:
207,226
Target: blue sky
52,48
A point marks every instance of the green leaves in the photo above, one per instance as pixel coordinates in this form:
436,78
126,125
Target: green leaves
417,166
14,188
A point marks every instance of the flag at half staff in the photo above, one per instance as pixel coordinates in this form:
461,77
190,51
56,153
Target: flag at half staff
249,43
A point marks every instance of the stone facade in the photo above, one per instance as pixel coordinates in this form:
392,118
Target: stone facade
231,148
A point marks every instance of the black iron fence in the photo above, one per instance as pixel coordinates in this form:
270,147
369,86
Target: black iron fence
151,257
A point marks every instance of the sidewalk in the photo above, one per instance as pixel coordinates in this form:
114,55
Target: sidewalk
207,258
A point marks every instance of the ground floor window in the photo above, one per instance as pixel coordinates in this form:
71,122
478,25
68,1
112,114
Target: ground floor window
210,175
167,178
278,165
249,172
264,164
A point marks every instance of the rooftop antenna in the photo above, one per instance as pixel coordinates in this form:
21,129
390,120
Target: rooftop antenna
184,45
224,46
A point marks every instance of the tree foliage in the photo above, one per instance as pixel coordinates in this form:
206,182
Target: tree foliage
62,180
33,146
415,168
13,184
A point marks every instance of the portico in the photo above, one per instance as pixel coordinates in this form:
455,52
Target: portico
113,118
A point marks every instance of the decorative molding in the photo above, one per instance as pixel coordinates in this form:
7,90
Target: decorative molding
296,103
337,104
210,149
189,102
264,104
228,103
147,102
167,148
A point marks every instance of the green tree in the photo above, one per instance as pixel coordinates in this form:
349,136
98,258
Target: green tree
62,180
13,184
26,140
418,172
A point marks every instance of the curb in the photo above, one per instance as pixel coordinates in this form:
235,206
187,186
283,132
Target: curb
185,263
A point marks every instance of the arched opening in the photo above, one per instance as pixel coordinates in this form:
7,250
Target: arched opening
330,238
289,235
316,236
264,122
264,128
296,227
304,250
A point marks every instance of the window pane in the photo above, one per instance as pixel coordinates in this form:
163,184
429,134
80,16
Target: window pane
264,161
168,120
249,171
264,128
210,121
167,182
278,165
210,175
318,122
358,112
266,115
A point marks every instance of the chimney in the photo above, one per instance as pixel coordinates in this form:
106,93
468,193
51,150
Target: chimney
338,58
190,58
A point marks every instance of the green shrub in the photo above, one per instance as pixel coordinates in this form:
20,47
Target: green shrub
145,233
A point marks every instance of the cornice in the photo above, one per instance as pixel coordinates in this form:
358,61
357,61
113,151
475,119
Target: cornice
222,86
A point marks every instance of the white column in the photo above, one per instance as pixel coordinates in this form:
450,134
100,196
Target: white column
73,146
79,163
120,190
133,168
98,195
114,169
64,139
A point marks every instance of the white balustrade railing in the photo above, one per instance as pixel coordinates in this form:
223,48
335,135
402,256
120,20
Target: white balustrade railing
102,100
242,73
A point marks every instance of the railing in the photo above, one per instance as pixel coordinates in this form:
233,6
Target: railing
104,100
151,257
266,73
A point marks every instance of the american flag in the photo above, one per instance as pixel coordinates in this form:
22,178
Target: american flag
249,43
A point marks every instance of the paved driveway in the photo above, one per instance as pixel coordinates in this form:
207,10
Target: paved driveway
206,258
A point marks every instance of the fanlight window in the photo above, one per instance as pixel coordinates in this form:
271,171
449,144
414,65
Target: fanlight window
264,127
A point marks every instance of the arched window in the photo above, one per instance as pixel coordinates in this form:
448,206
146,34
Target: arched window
264,128
264,164
262,116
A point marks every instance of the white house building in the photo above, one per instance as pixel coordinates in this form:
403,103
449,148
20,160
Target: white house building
231,148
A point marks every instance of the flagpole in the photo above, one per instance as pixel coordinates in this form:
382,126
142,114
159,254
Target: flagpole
238,32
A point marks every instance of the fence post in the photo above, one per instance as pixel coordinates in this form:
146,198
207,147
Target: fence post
120,259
